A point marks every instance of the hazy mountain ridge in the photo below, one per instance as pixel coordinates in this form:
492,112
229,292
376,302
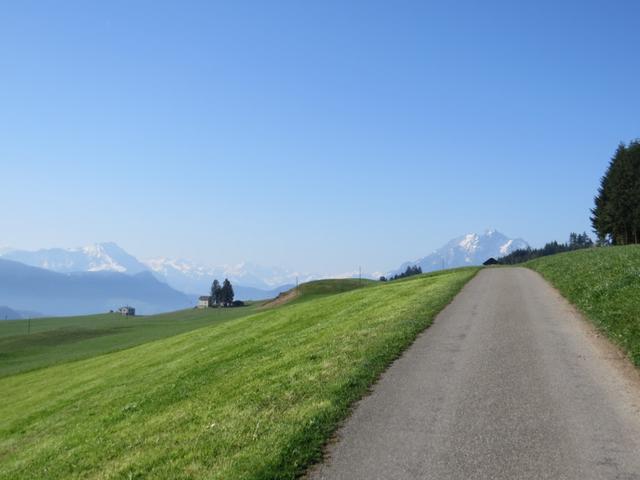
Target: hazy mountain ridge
7,313
190,276
104,276
251,281
467,250
31,288
92,258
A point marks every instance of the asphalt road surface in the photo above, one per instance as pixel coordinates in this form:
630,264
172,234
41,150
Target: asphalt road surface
509,383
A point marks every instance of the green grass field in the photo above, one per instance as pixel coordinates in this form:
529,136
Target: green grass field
604,283
321,288
252,398
56,340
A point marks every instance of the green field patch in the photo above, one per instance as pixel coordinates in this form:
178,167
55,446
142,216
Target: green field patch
318,289
38,343
59,336
252,398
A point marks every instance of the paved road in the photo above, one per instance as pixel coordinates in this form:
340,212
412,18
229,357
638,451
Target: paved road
509,383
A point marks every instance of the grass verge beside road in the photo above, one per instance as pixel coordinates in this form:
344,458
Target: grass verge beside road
604,283
254,398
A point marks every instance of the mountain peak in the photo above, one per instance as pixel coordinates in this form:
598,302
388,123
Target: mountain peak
466,250
469,242
106,256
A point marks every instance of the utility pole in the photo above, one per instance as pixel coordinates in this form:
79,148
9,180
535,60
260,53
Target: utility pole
28,325
360,275
297,286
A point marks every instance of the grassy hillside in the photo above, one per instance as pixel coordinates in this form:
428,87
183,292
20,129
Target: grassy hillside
317,289
254,398
63,339
604,283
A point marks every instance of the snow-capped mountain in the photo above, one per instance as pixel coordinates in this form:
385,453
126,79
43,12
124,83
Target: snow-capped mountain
189,276
469,249
93,258
250,281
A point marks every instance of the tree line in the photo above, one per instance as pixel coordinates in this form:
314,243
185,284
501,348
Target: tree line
222,295
576,241
411,270
616,215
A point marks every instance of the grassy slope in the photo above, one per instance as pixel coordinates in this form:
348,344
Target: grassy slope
321,288
253,398
604,283
63,339
330,287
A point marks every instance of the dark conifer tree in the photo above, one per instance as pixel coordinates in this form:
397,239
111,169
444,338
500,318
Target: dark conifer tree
616,214
227,292
216,292
409,271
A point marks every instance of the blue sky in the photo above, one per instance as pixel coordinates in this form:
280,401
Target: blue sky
313,135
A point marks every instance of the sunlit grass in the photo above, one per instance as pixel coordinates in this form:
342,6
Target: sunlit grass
253,398
604,283
44,342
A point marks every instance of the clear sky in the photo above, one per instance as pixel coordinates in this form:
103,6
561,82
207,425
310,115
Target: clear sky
311,135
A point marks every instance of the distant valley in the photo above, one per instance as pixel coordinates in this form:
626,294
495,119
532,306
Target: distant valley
184,275
23,287
103,276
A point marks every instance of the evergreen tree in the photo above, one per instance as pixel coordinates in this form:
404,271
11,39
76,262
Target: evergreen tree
216,292
410,270
616,213
227,293
579,240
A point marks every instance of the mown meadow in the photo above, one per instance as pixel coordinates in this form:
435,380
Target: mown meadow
27,345
251,398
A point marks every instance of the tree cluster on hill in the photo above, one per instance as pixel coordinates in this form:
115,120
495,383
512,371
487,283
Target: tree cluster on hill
576,242
616,215
222,295
411,270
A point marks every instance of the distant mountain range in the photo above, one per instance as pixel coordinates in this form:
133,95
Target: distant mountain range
466,250
251,282
23,287
189,276
103,276
99,257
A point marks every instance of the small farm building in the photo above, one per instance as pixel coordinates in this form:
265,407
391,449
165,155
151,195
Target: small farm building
127,311
205,301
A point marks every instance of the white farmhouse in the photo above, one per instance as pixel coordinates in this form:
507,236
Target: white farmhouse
127,311
205,301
